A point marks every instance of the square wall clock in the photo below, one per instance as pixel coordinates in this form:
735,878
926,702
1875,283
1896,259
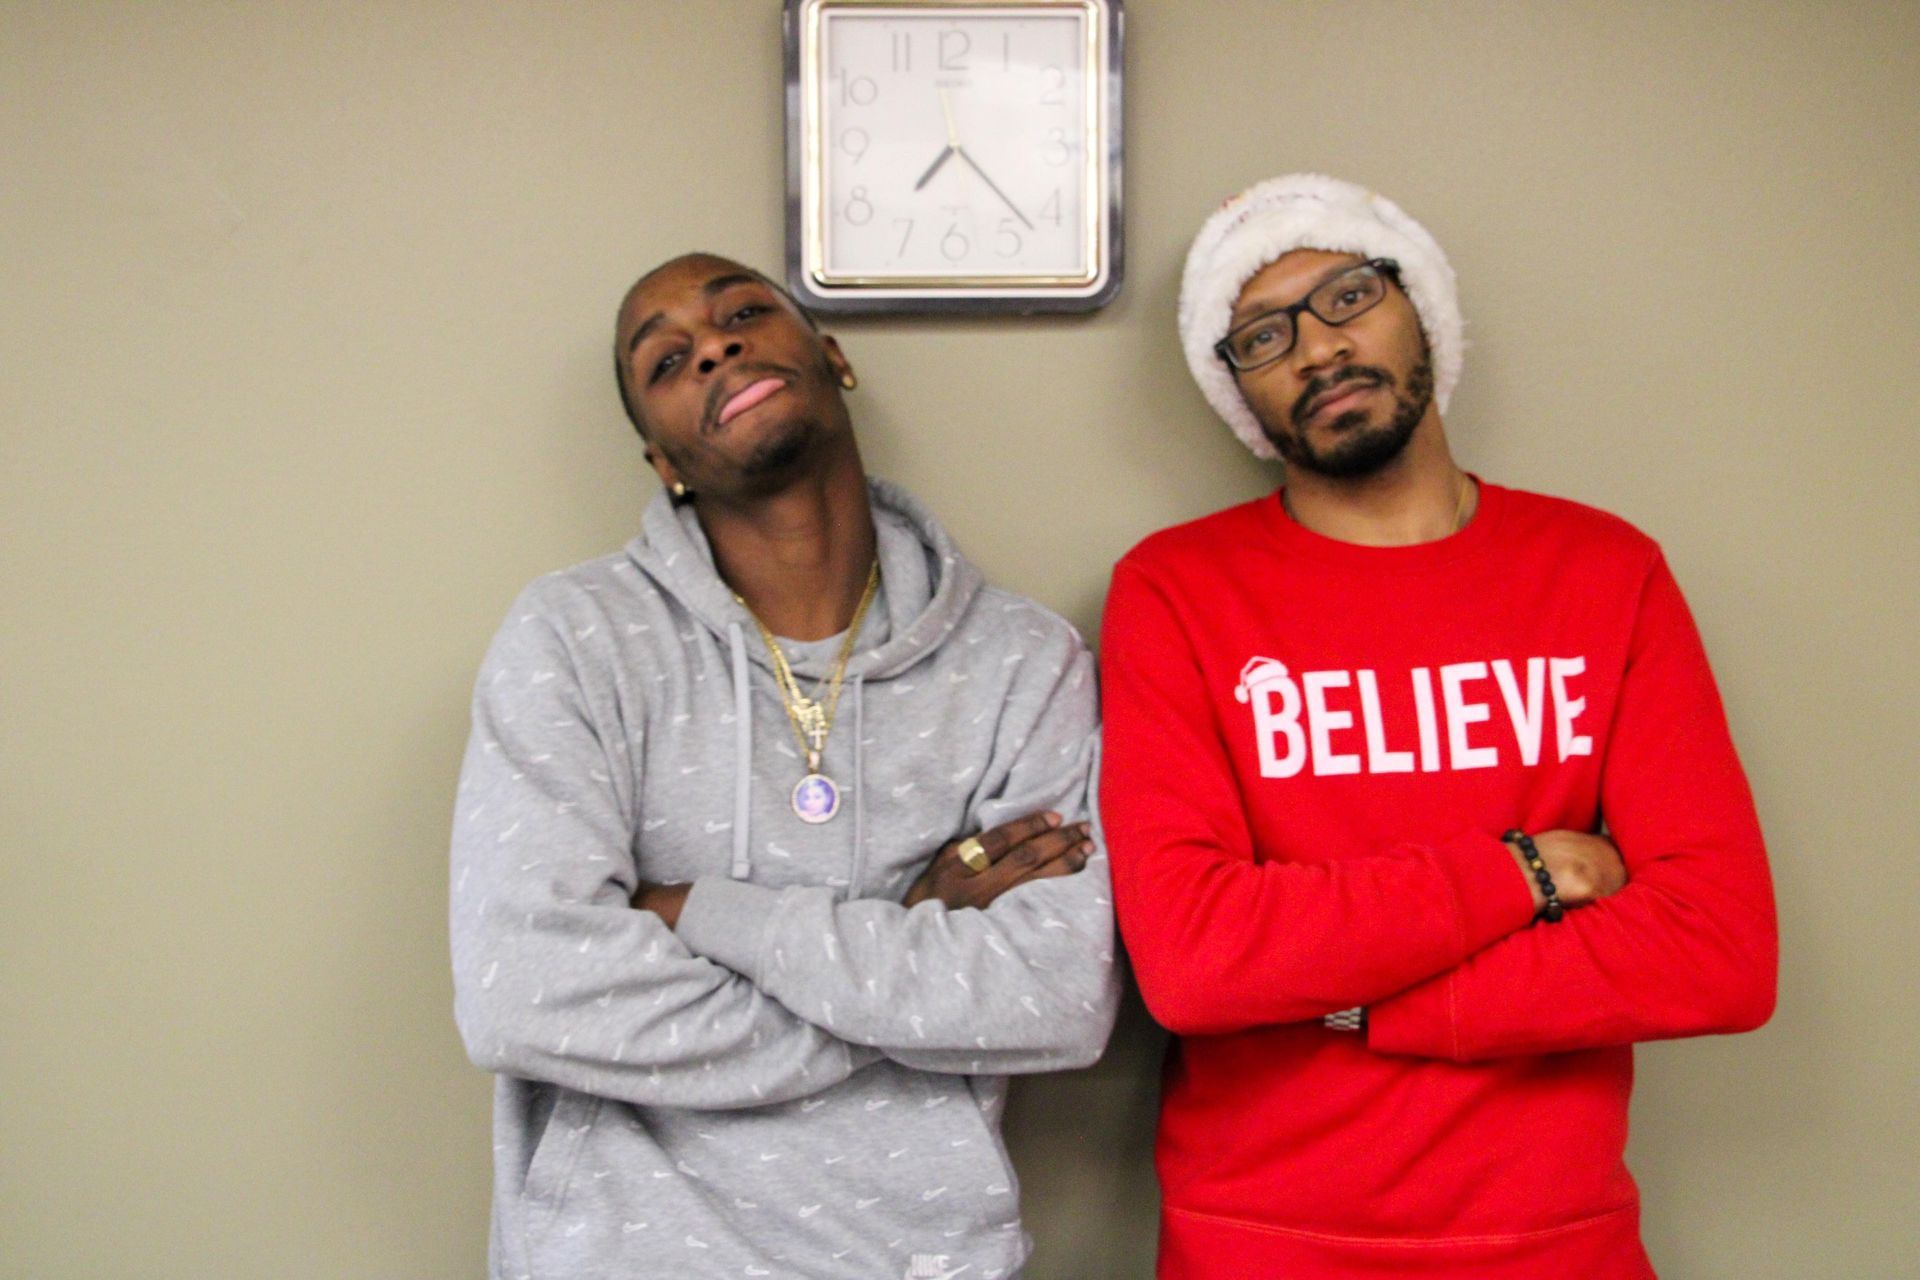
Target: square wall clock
953,157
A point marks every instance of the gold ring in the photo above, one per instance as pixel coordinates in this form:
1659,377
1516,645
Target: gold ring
973,855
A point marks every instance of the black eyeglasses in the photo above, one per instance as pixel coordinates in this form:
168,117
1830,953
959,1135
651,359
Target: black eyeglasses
1268,337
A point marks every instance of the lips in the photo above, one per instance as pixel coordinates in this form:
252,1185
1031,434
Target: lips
747,397
1337,400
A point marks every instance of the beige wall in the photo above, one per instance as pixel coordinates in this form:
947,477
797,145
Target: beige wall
303,324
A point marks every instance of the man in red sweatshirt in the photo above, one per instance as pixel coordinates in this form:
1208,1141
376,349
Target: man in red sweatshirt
1363,737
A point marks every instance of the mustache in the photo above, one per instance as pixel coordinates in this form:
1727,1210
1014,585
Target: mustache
1320,385
717,395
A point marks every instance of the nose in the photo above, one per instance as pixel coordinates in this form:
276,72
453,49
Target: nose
714,348
1318,345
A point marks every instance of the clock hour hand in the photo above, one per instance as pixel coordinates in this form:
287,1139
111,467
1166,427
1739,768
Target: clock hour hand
991,183
953,144
946,154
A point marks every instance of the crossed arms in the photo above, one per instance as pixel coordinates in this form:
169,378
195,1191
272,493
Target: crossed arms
1439,942
761,995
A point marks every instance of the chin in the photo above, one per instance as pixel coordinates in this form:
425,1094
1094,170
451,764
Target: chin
1360,449
780,451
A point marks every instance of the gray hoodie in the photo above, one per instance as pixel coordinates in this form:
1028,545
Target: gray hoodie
804,1078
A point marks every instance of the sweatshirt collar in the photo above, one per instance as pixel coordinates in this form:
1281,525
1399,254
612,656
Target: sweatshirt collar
929,583
1295,539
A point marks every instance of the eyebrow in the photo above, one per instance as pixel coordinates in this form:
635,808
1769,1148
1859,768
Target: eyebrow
1268,308
717,285
720,284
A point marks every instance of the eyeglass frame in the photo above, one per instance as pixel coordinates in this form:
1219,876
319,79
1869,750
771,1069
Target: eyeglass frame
1388,268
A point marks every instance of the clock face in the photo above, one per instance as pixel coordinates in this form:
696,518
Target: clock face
954,149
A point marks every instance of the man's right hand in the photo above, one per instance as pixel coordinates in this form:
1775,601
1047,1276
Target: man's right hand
1584,867
1035,847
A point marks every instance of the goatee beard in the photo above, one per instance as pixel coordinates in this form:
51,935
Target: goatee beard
1356,451
775,457
773,462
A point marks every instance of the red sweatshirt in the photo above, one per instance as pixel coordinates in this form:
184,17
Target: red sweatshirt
1312,749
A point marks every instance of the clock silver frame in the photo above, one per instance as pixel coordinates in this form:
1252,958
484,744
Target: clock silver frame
957,293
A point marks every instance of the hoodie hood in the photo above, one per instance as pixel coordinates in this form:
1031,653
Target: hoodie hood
928,587
928,583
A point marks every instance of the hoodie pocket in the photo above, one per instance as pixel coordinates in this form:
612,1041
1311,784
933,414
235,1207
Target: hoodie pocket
545,1189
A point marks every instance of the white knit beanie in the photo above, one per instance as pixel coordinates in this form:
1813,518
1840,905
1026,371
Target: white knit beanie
1306,211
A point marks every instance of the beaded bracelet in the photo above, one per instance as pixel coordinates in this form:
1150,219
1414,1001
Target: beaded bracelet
1354,1019
1552,912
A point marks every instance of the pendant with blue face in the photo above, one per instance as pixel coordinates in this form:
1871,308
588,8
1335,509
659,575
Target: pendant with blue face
815,798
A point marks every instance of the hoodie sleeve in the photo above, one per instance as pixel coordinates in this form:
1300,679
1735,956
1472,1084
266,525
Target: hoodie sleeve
1689,946
1026,985
556,977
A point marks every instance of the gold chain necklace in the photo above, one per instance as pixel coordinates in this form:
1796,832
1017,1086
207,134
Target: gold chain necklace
1467,492
816,797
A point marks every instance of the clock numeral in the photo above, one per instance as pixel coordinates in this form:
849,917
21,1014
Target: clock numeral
954,245
1006,241
857,91
905,236
902,51
1055,93
1057,151
1050,211
855,143
954,47
859,210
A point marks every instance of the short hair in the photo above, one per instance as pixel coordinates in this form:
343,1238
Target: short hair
620,357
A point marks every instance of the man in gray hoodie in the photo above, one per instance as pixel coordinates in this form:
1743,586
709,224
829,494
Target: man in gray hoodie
772,854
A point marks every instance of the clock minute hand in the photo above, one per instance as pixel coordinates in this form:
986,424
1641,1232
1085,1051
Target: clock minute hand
946,154
991,183
954,148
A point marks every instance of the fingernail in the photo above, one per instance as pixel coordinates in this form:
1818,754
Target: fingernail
1053,819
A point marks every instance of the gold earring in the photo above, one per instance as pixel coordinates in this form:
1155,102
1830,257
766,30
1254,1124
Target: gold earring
678,490
848,381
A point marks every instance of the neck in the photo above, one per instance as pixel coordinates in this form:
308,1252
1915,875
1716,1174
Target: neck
1421,496
799,557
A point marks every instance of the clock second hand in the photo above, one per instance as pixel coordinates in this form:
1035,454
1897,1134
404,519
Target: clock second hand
948,152
955,149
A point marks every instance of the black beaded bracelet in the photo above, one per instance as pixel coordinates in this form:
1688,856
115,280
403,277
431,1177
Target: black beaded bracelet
1552,912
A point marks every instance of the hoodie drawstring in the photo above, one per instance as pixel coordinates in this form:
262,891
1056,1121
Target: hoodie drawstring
742,753
859,869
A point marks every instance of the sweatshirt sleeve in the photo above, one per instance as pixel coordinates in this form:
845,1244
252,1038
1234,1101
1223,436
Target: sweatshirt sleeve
1028,984
1689,946
556,977
1223,936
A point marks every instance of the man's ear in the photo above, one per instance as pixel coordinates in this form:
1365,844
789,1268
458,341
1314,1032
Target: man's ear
837,360
661,468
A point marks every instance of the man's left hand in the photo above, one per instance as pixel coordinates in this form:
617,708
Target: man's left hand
664,900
